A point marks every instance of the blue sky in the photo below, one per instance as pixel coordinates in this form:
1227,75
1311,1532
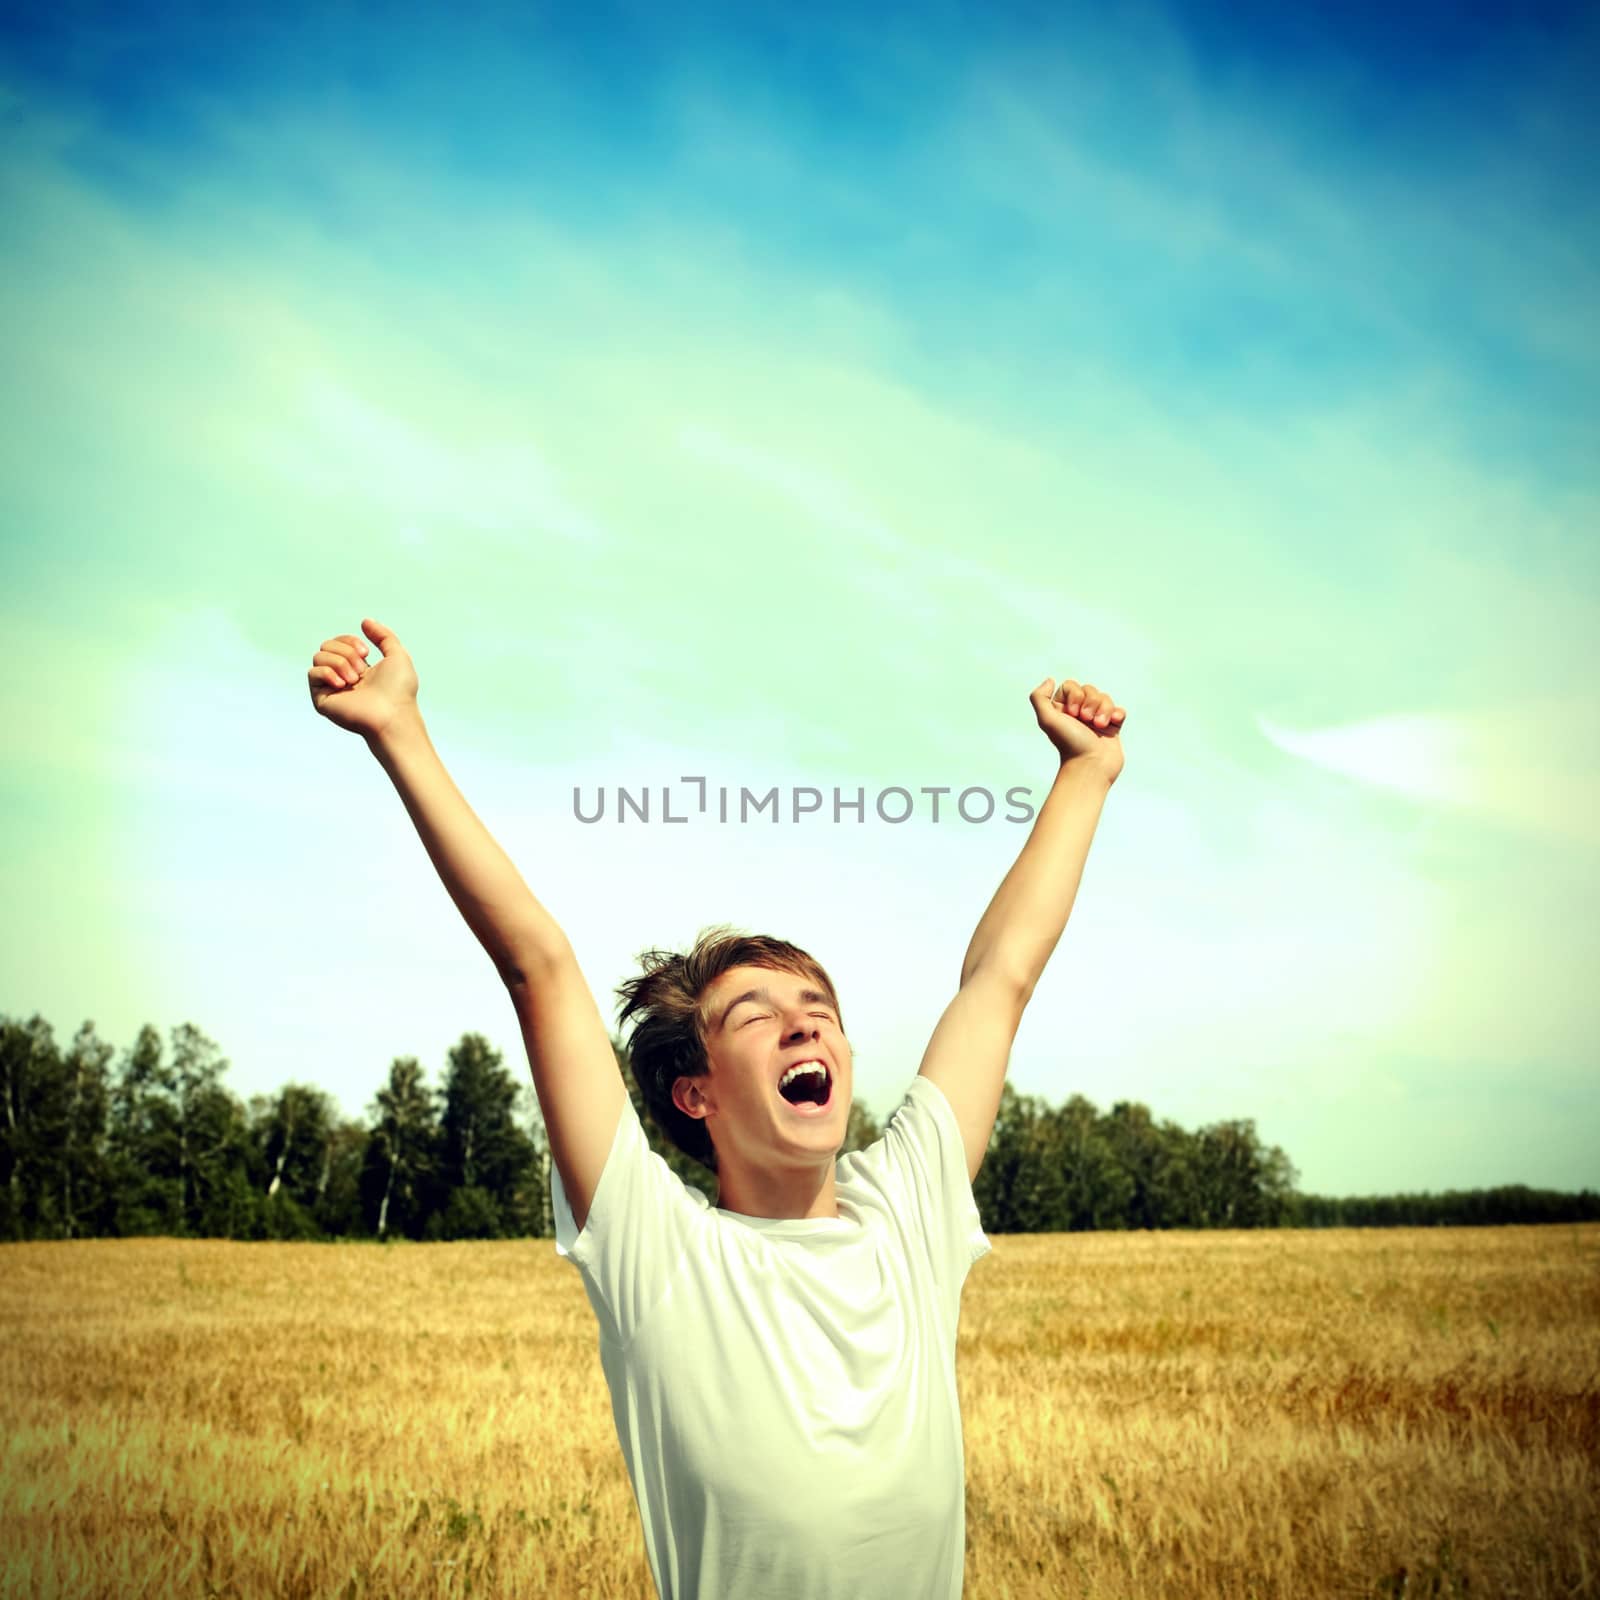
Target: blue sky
780,398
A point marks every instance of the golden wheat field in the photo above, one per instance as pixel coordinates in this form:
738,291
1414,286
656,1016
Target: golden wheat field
1352,1412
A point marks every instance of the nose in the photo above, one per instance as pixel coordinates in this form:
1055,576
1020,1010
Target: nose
800,1031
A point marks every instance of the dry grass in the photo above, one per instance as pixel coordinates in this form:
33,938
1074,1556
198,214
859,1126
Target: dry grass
1405,1412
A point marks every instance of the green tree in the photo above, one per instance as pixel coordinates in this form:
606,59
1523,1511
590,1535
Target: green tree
212,1138
292,1130
861,1129
31,1116
1241,1183
399,1168
1140,1150
85,1197
53,1109
139,1137
481,1146
470,1213
337,1207
1095,1189
995,1187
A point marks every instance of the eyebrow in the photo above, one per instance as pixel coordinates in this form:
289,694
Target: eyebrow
807,997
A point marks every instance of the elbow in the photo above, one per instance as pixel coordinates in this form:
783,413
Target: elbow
1010,978
526,966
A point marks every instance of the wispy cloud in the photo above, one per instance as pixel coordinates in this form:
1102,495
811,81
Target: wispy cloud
831,503
1533,763
345,447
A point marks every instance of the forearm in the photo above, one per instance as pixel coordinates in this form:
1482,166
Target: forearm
516,931
1019,931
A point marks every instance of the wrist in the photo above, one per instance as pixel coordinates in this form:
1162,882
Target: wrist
404,728
1085,769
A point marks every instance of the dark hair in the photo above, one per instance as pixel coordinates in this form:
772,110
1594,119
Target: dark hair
668,997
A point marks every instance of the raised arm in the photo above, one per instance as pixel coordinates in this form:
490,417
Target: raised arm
575,1074
971,1045
1019,931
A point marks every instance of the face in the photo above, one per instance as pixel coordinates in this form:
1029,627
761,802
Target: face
759,1023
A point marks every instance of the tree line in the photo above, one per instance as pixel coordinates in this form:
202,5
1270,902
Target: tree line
156,1144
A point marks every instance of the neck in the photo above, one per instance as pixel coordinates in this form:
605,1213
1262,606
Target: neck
793,1194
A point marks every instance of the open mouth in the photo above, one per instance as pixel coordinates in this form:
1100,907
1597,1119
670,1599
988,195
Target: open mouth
808,1091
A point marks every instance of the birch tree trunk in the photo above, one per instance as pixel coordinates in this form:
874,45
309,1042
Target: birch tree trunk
383,1210
66,1161
283,1154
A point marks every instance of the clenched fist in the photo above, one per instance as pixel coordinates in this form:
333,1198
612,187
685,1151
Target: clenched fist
352,695
1083,723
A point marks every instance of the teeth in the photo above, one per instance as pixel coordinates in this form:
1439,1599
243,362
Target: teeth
799,1067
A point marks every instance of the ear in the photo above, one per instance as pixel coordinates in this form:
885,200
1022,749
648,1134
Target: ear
686,1096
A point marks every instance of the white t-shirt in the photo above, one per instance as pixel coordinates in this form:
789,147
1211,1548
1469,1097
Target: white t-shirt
784,1390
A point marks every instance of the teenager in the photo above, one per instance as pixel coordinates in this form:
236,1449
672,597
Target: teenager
782,1364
